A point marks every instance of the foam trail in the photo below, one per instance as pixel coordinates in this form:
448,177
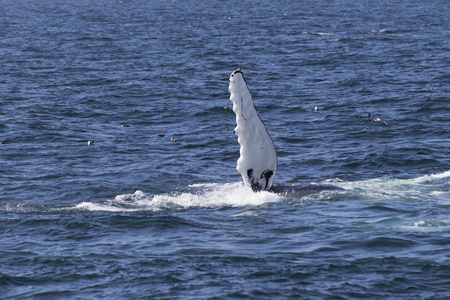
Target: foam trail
258,159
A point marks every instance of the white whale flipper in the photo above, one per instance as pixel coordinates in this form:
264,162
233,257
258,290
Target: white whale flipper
258,159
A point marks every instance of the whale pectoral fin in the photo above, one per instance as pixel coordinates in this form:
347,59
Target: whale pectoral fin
258,160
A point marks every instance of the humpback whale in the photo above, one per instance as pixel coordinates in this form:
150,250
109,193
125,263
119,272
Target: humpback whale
258,158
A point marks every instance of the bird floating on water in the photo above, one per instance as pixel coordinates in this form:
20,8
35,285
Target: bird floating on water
173,139
124,125
364,115
90,142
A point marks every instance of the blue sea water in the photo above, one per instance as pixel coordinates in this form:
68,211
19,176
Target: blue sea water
137,216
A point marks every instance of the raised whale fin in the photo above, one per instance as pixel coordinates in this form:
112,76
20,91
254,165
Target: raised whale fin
258,159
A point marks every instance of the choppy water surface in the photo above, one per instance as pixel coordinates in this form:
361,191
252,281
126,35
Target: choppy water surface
135,215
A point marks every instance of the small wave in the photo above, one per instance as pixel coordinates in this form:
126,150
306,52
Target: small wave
211,195
324,33
317,33
379,31
431,223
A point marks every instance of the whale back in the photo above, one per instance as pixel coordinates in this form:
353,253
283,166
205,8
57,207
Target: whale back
258,159
298,190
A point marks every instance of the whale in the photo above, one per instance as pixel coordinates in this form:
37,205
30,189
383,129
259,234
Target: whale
257,162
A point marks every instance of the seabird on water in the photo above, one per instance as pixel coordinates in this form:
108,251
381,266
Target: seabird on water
364,115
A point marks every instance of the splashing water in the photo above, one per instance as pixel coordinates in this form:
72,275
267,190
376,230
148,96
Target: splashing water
212,195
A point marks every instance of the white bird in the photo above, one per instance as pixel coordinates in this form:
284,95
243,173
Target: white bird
377,120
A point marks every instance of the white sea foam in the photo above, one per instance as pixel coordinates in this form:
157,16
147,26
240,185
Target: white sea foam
90,206
432,225
433,187
426,178
211,195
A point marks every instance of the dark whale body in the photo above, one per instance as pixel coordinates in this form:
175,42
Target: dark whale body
298,190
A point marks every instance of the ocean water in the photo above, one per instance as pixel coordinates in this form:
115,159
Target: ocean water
137,216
